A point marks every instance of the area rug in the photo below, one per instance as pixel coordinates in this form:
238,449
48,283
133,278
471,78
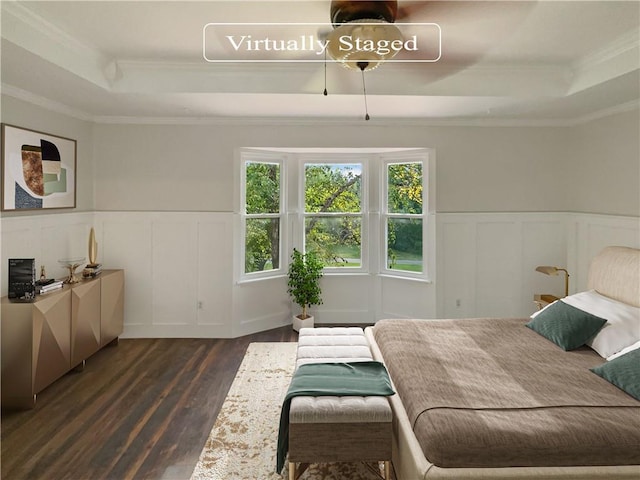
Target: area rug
242,443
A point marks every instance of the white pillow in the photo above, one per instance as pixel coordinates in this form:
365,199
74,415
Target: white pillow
623,321
630,348
538,312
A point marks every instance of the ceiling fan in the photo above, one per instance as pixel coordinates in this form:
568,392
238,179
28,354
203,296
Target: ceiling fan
469,28
359,26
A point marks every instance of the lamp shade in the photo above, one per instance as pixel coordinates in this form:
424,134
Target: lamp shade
548,270
365,41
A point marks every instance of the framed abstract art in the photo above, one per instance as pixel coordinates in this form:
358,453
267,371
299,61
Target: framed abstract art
38,170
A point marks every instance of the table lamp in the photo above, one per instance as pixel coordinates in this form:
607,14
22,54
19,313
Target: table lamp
549,270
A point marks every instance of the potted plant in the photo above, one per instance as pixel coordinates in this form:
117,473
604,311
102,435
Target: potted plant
305,271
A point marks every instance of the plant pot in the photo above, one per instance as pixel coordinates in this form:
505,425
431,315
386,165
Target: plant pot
299,323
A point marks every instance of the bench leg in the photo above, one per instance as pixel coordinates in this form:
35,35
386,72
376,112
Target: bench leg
387,470
294,472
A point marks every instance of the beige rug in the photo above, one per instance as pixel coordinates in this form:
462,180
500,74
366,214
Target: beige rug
242,443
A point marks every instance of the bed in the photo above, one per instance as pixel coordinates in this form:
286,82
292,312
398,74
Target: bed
505,399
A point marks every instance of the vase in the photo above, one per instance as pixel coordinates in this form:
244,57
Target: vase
299,323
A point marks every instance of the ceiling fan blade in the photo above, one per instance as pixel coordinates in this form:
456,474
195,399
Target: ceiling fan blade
469,30
407,10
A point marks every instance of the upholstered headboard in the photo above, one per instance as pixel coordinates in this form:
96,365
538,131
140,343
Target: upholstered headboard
615,272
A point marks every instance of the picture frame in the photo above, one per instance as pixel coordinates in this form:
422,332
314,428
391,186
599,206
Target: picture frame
38,170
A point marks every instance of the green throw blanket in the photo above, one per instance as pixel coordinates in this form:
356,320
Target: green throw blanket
331,379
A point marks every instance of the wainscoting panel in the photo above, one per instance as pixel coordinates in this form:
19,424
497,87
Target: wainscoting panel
498,273
174,263
403,298
179,279
215,290
456,250
347,299
261,305
178,276
589,233
544,242
125,241
486,262
47,238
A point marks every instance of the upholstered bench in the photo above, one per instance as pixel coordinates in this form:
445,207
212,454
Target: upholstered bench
337,429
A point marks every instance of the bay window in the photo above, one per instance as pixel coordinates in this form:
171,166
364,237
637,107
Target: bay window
360,211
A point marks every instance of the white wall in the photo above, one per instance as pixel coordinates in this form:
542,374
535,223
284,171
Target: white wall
24,114
190,167
179,280
161,199
47,238
603,170
487,261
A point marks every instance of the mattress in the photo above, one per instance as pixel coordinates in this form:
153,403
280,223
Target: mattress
493,393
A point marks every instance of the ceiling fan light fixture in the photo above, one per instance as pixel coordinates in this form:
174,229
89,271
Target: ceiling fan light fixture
344,11
364,40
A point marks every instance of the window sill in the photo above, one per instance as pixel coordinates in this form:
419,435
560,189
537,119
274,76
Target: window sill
402,277
277,276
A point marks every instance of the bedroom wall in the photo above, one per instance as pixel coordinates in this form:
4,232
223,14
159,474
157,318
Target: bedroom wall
160,189
603,171
163,210
27,115
49,235
480,169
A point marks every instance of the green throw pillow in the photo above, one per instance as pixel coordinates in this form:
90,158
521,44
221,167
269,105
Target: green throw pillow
623,372
565,325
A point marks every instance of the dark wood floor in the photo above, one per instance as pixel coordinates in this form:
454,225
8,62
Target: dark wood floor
139,410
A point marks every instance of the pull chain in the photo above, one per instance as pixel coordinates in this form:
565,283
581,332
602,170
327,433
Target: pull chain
362,66
325,73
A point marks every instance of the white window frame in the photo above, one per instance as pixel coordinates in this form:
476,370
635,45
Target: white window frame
337,159
255,156
408,157
373,203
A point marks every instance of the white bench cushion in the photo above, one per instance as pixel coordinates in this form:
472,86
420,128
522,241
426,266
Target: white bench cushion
336,344
340,410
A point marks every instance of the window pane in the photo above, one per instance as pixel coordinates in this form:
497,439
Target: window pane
332,188
336,240
404,188
404,244
262,244
262,188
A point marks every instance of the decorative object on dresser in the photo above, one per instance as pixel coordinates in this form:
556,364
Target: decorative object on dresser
38,170
305,271
93,268
22,279
43,340
71,264
48,286
93,248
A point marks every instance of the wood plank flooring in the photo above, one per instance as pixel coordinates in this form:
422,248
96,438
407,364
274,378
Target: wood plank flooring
140,410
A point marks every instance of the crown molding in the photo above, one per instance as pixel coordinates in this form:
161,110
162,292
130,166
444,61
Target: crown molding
63,109
606,112
355,122
623,44
57,107
46,40
36,23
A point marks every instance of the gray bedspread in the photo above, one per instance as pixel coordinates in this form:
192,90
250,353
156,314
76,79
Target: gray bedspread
493,393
